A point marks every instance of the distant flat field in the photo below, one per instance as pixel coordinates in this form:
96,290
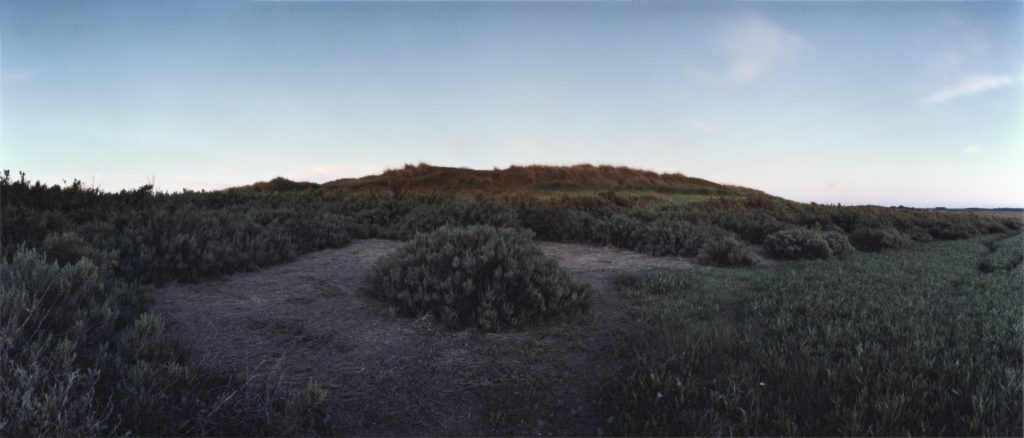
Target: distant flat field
993,213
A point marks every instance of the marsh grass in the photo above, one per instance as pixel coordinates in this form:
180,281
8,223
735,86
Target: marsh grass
903,342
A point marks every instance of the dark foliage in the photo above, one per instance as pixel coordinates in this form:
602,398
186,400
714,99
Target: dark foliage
797,243
912,342
877,239
79,357
75,260
478,276
727,251
838,243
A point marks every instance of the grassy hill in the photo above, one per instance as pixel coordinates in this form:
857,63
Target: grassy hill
78,342
545,181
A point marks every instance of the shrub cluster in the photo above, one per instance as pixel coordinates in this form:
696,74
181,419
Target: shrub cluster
802,243
1005,254
838,243
78,356
478,276
877,239
754,217
727,252
797,243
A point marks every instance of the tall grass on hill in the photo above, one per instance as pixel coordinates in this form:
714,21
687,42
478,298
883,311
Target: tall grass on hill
424,177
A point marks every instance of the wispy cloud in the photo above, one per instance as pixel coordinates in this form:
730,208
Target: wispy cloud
329,172
963,55
973,149
701,125
968,86
752,46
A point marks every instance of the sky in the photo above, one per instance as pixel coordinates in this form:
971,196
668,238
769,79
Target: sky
888,103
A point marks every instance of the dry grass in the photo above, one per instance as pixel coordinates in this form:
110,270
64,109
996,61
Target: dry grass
540,179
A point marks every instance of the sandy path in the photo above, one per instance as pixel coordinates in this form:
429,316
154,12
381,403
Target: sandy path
312,319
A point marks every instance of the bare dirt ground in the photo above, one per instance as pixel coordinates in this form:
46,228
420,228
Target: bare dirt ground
312,318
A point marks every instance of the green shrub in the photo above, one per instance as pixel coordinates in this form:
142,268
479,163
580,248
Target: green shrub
555,223
661,236
68,247
1005,254
1012,224
727,252
918,234
479,276
751,226
78,357
959,229
838,243
877,239
797,243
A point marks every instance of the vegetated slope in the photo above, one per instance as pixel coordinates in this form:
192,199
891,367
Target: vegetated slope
55,235
537,179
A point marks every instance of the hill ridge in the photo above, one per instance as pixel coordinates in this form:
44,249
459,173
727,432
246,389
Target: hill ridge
424,177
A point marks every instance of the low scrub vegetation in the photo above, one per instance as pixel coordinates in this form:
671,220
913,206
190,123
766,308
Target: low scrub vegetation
803,243
877,239
1004,255
797,243
838,243
479,276
727,251
813,348
79,355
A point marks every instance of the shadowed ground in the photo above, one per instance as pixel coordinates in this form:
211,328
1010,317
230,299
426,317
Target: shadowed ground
387,375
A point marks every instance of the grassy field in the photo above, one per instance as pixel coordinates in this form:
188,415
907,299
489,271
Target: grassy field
921,341
905,321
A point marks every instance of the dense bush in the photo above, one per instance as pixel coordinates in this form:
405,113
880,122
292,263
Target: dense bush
798,243
77,354
559,224
660,237
479,276
727,251
877,239
54,322
79,357
956,230
918,234
838,243
1005,254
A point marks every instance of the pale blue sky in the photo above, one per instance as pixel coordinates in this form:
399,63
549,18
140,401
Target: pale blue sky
914,103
